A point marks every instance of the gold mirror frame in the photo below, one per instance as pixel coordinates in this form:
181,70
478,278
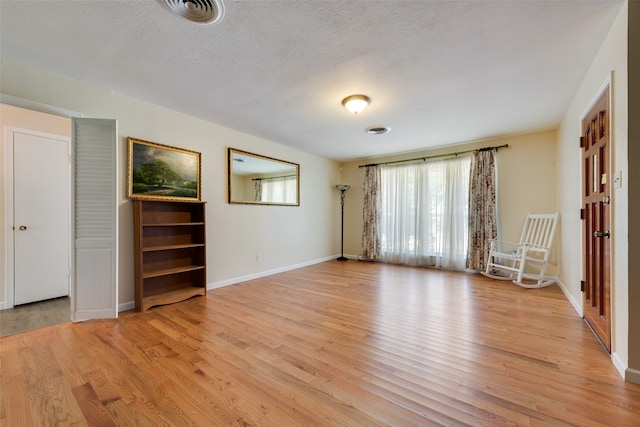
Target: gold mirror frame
254,179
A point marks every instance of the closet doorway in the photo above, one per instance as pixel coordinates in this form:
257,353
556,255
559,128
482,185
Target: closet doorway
37,213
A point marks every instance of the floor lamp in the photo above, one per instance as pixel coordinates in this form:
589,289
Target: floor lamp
342,188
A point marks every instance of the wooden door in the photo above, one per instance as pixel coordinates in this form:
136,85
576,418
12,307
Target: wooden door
596,199
41,216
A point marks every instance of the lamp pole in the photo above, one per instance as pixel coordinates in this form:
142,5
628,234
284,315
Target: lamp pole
342,188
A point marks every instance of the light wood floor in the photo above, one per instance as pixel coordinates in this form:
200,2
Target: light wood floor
334,344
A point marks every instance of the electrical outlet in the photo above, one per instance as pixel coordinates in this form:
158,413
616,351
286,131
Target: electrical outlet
258,257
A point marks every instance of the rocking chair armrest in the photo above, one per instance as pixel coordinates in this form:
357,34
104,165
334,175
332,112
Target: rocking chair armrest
496,241
504,241
503,248
529,246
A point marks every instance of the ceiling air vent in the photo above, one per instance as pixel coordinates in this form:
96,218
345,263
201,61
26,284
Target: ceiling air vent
377,130
200,11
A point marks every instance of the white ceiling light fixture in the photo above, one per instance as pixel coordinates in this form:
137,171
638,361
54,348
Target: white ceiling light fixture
206,12
356,103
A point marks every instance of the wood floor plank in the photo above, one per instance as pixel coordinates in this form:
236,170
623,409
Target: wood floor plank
245,390
9,357
154,402
17,411
333,344
38,363
124,415
52,403
189,379
111,385
66,362
93,410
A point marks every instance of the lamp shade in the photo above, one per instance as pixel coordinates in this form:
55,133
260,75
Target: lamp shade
356,103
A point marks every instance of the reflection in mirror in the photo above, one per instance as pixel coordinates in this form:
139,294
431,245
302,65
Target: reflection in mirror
256,179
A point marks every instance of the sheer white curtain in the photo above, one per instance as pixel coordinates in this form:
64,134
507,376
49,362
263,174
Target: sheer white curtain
279,190
424,213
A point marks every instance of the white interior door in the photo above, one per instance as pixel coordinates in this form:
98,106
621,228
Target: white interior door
41,216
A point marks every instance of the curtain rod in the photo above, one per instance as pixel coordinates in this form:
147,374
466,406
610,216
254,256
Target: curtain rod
436,156
271,177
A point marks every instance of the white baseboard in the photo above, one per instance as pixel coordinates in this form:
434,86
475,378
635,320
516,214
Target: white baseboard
619,365
3,305
130,305
126,306
632,375
83,315
233,281
577,305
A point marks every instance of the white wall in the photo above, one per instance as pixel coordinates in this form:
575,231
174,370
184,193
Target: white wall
610,63
284,236
526,183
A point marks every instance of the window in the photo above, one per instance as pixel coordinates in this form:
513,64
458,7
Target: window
279,190
424,212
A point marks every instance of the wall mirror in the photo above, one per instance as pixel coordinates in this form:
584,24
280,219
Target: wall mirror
261,180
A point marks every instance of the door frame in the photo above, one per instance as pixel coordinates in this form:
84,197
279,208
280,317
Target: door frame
608,83
9,287
79,290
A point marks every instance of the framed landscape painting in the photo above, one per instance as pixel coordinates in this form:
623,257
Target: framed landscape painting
161,172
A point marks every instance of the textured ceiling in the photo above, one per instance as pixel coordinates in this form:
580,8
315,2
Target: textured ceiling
438,72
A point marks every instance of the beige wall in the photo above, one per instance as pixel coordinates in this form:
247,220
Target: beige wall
526,183
241,188
23,119
610,64
284,236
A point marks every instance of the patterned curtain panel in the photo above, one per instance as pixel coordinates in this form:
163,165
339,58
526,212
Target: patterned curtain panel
482,209
258,188
371,214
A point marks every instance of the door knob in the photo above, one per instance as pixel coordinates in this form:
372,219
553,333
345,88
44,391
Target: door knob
22,227
601,234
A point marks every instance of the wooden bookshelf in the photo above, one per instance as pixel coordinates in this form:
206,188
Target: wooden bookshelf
170,257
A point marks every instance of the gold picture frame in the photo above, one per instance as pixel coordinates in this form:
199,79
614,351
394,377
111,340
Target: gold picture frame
161,172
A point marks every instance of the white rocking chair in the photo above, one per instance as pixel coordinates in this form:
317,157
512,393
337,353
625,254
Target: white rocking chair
524,263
